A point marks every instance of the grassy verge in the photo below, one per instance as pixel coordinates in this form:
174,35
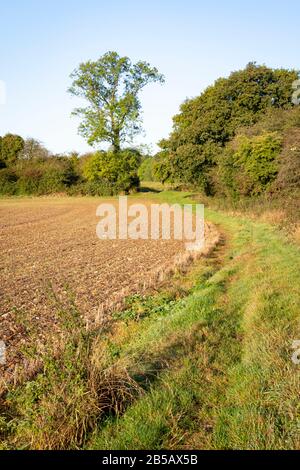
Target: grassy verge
282,212
204,363
229,381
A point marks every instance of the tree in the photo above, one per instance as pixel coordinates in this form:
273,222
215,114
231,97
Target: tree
34,150
11,146
206,123
111,86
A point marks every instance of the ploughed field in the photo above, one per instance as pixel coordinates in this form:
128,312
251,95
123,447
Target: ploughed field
52,261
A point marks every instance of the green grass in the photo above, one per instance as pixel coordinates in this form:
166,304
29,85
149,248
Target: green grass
228,380
205,363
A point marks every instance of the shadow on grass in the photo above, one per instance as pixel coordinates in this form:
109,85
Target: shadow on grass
146,189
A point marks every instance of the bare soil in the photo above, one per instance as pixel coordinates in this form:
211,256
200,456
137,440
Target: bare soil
51,257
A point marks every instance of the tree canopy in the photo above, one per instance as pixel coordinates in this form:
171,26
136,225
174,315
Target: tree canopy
11,146
111,86
206,123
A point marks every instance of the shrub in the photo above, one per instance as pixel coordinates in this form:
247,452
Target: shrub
162,170
145,171
250,165
51,175
8,179
289,173
29,180
10,148
109,173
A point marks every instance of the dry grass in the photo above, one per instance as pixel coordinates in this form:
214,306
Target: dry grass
296,234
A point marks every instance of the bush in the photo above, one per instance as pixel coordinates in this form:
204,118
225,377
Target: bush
29,180
8,179
250,165
109,173
51,175
289,173
94,188
145,171
11,146
101,173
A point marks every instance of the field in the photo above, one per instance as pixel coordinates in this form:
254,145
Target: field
53,260
225,326
52,257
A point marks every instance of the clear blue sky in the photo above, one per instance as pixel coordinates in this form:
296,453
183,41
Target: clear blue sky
192,42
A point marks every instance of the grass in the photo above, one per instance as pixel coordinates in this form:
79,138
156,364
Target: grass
281,211
228,380
205,363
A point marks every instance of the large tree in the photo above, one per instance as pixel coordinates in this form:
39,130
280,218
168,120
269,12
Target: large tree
111,85
206,123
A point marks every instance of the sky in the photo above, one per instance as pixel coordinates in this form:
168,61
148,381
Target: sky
192,42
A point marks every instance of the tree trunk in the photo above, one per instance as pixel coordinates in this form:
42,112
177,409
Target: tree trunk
116,142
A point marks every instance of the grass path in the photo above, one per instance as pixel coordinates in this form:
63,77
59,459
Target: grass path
216,364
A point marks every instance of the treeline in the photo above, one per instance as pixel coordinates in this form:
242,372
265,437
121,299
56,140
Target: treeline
28,168
240,138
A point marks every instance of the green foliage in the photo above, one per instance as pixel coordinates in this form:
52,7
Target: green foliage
262,158
161,168
208,122
289,173
8,179
55,174
240,137
142,306
113,172
231,103
145,171
29,180
111,86
189,164
37,172
274,120
251,164
10,148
